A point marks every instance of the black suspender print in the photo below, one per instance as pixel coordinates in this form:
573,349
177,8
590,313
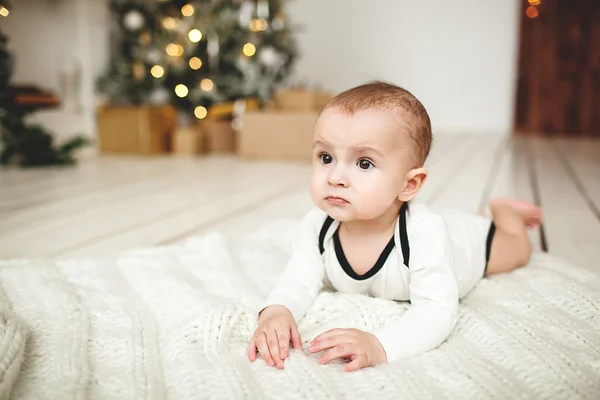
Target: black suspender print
324,229
403,234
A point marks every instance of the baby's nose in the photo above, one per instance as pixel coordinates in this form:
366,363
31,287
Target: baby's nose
338,178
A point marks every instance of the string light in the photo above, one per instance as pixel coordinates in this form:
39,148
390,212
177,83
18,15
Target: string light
157,71
187,10
195,35
257,25
534,2
4,11
249,49
181,90
531,12
169,23
200,112
195,63
174,50
206,85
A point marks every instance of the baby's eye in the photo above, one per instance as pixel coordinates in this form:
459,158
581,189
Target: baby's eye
364,164
326,158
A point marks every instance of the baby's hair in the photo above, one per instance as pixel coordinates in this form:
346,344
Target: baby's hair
379,95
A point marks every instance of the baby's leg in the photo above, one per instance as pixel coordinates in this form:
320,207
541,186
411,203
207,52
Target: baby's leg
510,246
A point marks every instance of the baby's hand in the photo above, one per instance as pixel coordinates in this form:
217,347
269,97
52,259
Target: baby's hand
362,348
276,328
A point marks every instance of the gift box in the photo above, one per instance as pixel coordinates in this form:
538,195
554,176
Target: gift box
277,134
294,99
136,130
188,140
301,99
219,136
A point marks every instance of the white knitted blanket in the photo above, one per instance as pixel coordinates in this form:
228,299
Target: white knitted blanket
174,323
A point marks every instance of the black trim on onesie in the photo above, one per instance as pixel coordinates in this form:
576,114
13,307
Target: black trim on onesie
339,251
324,229
488,245
404,235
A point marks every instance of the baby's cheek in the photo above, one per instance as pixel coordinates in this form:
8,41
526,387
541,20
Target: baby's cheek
376,200
315,187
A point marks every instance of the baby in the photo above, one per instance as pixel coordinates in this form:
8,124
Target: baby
366,235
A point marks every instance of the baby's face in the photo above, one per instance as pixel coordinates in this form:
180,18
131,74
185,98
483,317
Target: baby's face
360,163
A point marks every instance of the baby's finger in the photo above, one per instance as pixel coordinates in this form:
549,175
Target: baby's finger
284,343
252,349
356,364
328,334
339,351
261,343
296,342
274,348
326,343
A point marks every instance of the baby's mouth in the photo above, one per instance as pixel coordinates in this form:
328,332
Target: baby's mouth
336,200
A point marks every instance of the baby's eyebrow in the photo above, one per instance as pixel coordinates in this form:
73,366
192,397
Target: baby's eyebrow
319,143
364,149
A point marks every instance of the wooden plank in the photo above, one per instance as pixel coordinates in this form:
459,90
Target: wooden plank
188,221
440,168
442,146
514,180
17,182
581,161
573,228
443,174
81,181
291,206
109,194
464,188
110,219
13,176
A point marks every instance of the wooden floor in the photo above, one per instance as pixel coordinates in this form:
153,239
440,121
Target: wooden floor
108,204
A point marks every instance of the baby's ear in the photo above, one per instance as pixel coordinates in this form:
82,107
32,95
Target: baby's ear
413,182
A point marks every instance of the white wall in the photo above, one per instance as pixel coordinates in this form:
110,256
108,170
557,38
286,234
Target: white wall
458,57
46,37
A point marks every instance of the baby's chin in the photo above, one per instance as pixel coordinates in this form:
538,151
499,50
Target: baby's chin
342,213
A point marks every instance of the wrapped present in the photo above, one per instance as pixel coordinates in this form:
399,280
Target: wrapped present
228,109
301,99
219,136
277,134
136,130
294,99
188,140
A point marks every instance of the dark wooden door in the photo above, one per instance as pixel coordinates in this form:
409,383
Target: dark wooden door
558,88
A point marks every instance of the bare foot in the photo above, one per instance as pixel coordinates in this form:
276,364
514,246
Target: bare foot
530,213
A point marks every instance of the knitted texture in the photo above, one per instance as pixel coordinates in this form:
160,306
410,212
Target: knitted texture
174,323
12,347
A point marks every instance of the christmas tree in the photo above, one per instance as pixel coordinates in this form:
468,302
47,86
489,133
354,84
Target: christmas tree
20,142
194,54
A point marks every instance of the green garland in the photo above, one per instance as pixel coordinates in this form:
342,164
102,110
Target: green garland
21,143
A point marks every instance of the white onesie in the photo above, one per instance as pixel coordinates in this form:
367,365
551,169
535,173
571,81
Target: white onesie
432,260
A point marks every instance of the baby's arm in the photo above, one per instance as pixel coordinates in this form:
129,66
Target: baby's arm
302,279
293,294
433,295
